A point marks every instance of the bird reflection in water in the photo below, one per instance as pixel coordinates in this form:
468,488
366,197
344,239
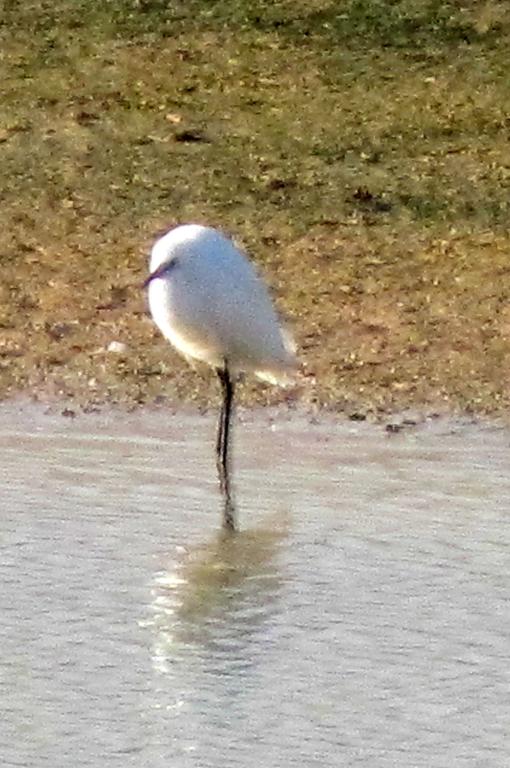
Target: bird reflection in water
219,593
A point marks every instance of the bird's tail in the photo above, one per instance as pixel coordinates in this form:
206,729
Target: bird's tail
284,377
285,371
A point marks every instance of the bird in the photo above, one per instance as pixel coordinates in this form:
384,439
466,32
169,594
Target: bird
210,303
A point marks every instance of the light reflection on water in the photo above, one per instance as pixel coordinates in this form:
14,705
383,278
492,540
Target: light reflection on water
361,617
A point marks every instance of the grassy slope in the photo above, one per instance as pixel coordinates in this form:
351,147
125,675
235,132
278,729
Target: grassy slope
358,149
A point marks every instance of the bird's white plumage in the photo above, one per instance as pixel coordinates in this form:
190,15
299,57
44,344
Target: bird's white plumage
212,306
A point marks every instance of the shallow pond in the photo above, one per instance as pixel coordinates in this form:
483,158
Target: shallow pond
360,618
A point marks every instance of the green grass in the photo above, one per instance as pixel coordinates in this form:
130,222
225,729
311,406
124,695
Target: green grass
379,123
350,95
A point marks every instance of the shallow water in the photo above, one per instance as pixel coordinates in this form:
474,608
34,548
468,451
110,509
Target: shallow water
361,617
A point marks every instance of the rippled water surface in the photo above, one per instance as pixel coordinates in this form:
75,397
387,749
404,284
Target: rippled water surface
361,617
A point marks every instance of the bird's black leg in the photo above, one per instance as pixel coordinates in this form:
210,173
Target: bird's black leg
222,445
220,430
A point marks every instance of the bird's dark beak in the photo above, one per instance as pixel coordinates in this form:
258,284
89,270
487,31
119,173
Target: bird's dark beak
163,269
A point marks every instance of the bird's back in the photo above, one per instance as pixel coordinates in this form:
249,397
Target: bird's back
213,306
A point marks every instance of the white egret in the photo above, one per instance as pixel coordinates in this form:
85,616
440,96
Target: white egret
208,301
